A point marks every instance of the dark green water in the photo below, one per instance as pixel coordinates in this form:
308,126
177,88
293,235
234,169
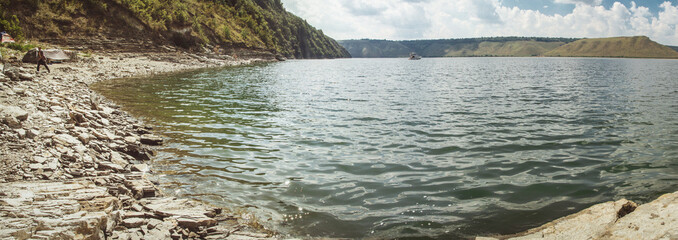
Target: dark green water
440,148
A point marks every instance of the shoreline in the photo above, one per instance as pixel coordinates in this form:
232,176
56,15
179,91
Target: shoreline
621,219
74,166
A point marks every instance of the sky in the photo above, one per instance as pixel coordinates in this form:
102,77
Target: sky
435,19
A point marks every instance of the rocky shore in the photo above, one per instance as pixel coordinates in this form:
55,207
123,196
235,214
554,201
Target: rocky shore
622,219
74,166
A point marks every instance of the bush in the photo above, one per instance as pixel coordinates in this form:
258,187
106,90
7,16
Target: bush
19,46
12,27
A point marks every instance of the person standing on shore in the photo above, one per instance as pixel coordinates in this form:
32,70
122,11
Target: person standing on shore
42,60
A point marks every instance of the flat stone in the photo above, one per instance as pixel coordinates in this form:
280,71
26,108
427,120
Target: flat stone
32,133
109,134
100,135
117,159
196,222
134,214
21,133
53,164
184,208
13,111
590,223
655,220
105,122
55,210
111,166
56,120
26,77
66,140
130,140
133,222
12,122
141,188
35,166
84,138
140,168
622,219
39,159
150,139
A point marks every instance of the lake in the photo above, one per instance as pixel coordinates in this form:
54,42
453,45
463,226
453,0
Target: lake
437,148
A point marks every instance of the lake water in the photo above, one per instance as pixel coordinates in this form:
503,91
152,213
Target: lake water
440,148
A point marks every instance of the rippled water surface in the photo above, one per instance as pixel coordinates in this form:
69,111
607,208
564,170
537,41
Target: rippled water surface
442,148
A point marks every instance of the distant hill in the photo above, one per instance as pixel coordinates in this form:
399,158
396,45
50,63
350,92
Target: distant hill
469,47
191,24
627,47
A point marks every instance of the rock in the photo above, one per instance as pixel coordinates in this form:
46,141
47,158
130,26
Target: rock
55,210
140,168
134,214
66,140
141,129
589,223
77,117
182,208
117,159
12,74
19,91
32,133
613,220
52,165
133,222
655,220
109,134
141,188
159,229
194,223
13,111
111,166
150,139
39,159
26,77
21,133
35,166
11,122
105,122
84,138
100,135
138,152
56,120
130,140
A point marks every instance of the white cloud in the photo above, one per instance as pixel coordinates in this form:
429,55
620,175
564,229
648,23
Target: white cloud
417,19
587,2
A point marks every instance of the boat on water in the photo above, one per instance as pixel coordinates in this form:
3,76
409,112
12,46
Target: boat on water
414,56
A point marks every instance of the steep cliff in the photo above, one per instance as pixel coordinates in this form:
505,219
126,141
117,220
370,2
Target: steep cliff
252,24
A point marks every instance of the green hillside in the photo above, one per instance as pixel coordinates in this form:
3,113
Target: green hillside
470,47
631,47
255,24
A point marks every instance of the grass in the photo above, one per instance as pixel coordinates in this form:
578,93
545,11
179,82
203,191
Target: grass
624,47
506,49
19,47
